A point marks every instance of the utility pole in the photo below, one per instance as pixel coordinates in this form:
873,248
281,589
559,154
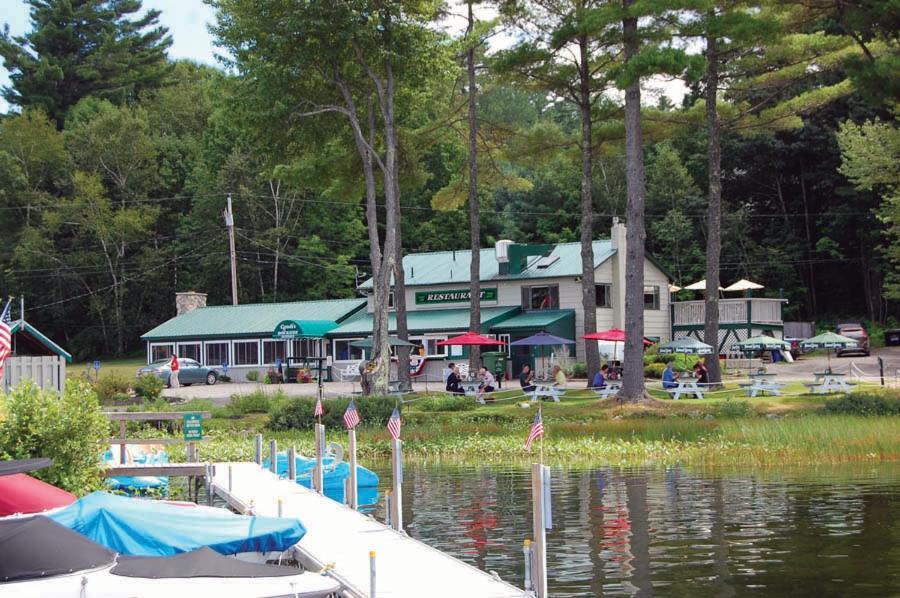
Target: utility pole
229,223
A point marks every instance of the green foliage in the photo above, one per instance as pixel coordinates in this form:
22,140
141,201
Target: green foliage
252,375
578,370
734,408
148,386
864,403
445,403
113,387
69,429
297,413
258,401
654,370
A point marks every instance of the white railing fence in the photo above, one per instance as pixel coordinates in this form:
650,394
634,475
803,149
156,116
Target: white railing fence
731,311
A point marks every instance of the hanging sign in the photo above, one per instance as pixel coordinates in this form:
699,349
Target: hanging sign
453,296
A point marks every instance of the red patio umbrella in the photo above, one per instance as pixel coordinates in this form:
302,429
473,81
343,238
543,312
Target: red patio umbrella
614,335
471,339
21,493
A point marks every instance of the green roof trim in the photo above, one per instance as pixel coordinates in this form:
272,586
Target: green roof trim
252,320
452,267
40,337
534,320
427,320
288,329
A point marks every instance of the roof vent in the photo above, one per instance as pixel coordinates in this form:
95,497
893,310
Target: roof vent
546,261
501,248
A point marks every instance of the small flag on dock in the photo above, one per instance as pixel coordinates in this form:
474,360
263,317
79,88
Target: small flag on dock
537,430
351,416
320,410
394,425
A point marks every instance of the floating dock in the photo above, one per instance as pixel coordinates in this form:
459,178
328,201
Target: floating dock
341,539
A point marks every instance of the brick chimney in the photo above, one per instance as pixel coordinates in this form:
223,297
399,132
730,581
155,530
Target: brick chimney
188,301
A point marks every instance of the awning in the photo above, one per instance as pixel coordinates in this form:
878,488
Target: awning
288,329
426,321
534,320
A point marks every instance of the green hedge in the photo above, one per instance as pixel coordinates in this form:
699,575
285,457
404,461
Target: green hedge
298,413
864,403
654,370
445,403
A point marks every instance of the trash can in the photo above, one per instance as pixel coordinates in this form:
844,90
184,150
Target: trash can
495,362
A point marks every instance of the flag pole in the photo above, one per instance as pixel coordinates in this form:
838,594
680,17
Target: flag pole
541,412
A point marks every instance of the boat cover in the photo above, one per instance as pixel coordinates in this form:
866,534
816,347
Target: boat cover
37,547
21,493
23,465
197,563
139,527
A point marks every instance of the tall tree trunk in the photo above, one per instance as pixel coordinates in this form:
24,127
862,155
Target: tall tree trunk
474,203
400,299
588,287
714,213
633,379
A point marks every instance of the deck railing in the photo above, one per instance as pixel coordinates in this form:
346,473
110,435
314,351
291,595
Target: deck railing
731,311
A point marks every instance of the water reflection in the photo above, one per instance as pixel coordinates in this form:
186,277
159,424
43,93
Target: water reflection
671,532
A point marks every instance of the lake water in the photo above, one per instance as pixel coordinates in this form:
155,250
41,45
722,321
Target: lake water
671,531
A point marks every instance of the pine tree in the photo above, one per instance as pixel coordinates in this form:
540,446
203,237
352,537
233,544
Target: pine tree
78,48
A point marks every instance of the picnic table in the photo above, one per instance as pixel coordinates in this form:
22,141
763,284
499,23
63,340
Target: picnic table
685,385
546,389
827,382
610,389
761,383
470,387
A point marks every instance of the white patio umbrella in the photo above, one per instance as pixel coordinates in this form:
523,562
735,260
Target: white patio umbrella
744,285
700,285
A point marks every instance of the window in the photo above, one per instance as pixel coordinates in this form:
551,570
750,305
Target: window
160,352
651,297
246,352
430,344
343,350
604,295
306,347
189,350
544,297
274,351
216,353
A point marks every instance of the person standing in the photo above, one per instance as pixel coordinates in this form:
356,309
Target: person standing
174,366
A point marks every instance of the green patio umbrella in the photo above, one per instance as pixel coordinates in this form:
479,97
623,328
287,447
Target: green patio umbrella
761,343
688,346
828,341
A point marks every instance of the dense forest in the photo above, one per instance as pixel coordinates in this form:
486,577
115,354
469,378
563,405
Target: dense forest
116,163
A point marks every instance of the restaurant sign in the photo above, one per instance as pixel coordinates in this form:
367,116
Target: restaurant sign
287,329
453,296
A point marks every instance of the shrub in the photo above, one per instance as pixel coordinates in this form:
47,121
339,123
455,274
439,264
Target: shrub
257,401
224,378
252,375
864,403
69,429
654,370
297,413
732,408
444,403
113,387
578,370
149,387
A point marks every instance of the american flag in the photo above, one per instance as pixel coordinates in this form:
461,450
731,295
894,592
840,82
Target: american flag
537,430
320,410
394,425
351,417
5,337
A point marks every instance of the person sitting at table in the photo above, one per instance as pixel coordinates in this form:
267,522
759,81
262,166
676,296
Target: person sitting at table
488,382
453,385
669,377
559,376
600,377
525,378
701,373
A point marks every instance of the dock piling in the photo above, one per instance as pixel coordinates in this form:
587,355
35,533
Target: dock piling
230,479
280,506
371,574
387,508
526,549
540,497
352,479
318,473
273,456
292,464
397,484
258,442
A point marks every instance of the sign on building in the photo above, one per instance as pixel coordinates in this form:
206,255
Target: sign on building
453,296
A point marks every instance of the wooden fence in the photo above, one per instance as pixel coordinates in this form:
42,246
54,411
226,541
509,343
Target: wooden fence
48,372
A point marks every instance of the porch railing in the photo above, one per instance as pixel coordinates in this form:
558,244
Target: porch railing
731,311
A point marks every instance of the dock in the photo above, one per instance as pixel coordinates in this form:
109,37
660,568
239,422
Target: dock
341,539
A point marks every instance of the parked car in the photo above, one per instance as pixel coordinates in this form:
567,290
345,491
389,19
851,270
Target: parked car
857,332
190,372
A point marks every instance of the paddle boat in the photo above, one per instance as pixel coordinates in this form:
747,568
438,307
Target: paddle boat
336,470
138,455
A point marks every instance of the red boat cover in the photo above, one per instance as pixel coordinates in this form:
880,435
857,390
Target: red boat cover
21,493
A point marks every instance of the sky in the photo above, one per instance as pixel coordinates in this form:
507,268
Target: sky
187,21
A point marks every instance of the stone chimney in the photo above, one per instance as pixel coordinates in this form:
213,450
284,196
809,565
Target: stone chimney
188,301
617,239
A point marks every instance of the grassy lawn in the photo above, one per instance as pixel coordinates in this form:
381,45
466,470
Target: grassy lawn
122,366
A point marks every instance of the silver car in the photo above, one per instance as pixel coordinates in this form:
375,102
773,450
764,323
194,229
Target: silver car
189,372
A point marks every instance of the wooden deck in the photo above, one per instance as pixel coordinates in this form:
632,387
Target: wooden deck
342,538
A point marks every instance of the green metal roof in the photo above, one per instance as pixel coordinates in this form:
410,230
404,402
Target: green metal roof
533,320
40,337
452,267
426,320
250,320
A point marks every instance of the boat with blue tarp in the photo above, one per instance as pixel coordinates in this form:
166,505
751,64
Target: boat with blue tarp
335,472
